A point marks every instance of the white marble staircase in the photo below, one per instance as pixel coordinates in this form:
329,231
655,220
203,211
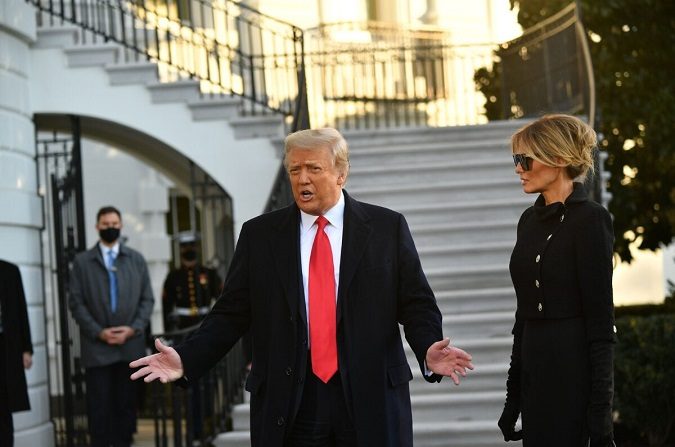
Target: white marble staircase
99,81
458,191
204,107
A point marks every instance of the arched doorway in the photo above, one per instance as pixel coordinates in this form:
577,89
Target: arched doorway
193,202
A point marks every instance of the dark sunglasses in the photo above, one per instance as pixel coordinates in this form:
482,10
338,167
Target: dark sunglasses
523,160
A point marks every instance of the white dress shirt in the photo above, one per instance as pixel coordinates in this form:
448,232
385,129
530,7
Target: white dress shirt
104,252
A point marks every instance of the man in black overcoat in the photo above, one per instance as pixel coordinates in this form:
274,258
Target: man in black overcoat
16,350
340,380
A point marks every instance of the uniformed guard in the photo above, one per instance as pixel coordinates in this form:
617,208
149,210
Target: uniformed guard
190,290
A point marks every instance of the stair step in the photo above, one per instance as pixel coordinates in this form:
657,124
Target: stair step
476,300
482,378
241,417
62,36
429,152
91,55
479,325
472,277
184,90
446,192
233,439
132,73
217,108
473,406
257,126
464,211
465,232
432,172
465,255
417,135
480,433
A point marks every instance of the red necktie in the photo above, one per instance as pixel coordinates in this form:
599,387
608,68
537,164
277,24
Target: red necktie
322,321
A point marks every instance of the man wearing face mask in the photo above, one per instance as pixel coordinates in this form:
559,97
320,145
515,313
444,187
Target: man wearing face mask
111,300
189,290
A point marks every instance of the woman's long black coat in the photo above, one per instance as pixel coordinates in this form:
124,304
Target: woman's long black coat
16,334
561,370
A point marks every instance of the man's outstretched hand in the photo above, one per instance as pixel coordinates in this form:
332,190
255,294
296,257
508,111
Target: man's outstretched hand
447,360
165,365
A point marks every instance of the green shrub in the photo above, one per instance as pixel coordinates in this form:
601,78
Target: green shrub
645,375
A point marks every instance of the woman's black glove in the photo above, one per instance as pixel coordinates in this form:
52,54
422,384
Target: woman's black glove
507,423
602,392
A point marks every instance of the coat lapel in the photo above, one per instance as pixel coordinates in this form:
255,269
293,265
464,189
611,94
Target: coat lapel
355,235
285,243
96,256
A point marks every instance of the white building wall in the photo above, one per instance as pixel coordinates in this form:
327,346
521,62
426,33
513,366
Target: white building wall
20,207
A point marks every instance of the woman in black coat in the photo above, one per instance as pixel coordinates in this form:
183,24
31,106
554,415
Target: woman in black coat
16,350
560,380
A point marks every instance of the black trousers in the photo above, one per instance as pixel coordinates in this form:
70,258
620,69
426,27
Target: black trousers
6,422
111,405
322,419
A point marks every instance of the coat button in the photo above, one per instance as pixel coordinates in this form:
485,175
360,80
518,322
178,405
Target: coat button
549,236
536,283
537,258
289,371
562,218
280,421
540,307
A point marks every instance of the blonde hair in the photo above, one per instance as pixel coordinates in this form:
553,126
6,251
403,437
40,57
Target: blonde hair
560,141
326,137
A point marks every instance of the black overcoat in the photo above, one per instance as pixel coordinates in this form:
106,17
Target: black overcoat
561,369
16,334
381,284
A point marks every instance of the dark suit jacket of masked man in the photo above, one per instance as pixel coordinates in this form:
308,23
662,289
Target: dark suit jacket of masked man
381,284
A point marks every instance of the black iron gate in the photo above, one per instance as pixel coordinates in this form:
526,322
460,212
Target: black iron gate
58,144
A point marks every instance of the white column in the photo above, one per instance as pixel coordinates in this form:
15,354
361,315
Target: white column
20,207
430,16
387,11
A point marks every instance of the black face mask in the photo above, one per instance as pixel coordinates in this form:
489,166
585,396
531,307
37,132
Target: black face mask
189,255
109,235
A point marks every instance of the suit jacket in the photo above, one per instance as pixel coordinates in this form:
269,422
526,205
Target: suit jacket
381,284
89,303
16,335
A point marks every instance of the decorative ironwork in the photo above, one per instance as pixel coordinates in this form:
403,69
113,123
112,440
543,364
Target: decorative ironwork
374,75
548,69
60,172
231,47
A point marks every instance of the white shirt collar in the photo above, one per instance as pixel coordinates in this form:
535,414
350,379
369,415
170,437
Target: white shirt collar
104,250
335,216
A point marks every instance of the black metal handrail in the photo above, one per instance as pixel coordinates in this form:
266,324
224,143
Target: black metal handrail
548,69
231,47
